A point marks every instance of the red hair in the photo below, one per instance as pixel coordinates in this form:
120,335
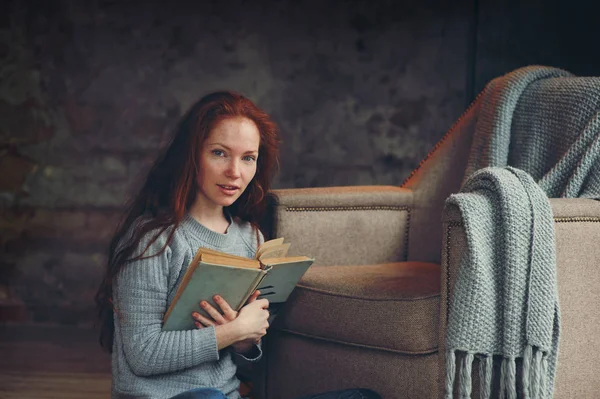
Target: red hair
171,188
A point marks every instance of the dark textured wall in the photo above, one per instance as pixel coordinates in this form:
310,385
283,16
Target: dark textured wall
515,33
89,91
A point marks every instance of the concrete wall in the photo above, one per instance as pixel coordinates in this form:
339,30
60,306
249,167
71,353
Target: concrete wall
89,91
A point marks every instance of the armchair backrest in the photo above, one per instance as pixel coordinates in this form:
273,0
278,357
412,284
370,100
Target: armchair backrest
437,176
542,120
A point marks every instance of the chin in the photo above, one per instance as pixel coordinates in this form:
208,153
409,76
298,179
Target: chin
226,201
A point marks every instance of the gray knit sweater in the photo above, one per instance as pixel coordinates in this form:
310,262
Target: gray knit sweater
150,363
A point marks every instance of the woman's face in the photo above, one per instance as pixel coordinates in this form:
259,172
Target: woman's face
228,161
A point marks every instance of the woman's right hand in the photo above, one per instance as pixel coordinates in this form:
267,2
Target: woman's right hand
252,320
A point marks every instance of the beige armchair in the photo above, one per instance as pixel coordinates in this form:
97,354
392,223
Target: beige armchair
368,313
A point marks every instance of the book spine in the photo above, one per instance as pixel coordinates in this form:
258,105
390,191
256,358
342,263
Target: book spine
252,288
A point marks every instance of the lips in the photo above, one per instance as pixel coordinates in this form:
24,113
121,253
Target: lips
228,190
226,187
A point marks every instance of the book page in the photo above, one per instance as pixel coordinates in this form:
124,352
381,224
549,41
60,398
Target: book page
279,251
268,244
219,253
281,261
228,261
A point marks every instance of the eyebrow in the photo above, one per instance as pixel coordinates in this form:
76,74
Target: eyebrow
229,149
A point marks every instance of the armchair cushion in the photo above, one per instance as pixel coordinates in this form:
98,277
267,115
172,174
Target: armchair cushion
392,307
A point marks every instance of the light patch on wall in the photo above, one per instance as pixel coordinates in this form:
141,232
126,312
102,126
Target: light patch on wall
245,69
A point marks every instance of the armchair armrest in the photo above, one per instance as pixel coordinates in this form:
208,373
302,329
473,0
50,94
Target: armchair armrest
577,232
354,225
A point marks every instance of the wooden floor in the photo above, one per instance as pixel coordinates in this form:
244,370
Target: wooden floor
52,362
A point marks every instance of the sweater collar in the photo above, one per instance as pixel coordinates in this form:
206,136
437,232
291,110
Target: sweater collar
208,236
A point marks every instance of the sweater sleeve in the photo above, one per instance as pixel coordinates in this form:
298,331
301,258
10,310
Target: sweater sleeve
254,355
140,300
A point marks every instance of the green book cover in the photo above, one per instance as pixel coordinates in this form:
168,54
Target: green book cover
234,284
281,279
276,281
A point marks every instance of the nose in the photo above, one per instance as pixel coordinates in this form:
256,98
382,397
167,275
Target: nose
233,169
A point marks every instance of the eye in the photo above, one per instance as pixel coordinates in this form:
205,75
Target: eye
218,153
249,158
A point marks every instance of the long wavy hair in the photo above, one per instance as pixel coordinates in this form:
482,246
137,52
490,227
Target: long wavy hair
172,185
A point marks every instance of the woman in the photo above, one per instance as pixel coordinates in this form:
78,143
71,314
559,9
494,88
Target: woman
206,190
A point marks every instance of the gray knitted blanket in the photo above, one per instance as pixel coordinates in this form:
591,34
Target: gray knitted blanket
545,124
505,299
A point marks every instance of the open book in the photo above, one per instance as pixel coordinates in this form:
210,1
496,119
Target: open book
234,278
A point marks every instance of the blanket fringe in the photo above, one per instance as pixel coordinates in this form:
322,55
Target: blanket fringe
527,359
535,369
509,375
450,373
486,366
465,376
534,374
544,379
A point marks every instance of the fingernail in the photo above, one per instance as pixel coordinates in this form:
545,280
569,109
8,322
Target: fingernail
203,304
217,298
195,314
197,325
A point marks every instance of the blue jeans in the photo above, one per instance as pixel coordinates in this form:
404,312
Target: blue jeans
201,393
210,393
345,394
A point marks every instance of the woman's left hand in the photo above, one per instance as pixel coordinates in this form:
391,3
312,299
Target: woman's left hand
226,315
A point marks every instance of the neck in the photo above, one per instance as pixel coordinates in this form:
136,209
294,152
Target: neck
212,217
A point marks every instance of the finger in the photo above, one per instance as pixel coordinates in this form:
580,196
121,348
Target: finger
228,312
212,312
263,303
205,321
253,297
